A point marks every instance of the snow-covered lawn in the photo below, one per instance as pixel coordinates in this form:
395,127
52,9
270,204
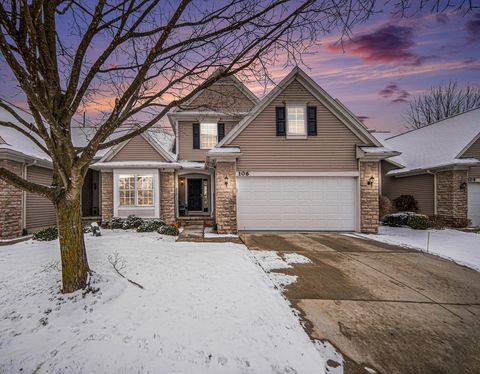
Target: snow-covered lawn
206,308
458,246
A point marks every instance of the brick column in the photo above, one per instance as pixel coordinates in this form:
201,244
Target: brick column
226,197
452,201
167,197
107,194
11,207
369,194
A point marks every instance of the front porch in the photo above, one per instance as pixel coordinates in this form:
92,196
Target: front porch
194,195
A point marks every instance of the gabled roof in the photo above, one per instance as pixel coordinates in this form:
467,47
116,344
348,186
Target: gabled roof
227,80
437,145
338,109
17,144
161,141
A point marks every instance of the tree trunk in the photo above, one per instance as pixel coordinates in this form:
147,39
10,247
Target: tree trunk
75,268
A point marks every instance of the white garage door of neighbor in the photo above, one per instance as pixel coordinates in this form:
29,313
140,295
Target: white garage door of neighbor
474,203
296,203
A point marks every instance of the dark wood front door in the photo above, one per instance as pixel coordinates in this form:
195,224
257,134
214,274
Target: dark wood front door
194,194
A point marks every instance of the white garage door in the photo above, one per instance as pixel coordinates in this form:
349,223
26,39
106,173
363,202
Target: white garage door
296,203
474,203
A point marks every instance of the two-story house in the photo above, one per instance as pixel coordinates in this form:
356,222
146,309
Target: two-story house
295,160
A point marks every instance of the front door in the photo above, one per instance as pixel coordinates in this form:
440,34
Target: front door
194,194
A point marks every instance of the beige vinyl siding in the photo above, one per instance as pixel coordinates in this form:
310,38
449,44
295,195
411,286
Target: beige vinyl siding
333,149
221,97
40,212
138,149
420,186
473,151
185,141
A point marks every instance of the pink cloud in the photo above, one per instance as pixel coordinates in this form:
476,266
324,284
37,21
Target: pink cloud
387,44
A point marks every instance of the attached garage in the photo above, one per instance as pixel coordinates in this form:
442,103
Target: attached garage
474,203
300,203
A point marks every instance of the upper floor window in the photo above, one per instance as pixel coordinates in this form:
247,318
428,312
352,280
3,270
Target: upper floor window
296,120
208,135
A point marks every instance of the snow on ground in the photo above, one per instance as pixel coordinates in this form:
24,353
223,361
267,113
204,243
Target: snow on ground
461,247
206,308
270,260
209,232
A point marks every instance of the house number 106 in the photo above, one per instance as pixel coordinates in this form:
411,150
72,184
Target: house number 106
243,173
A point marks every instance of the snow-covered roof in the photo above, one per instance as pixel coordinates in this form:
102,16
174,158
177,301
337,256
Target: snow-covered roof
224,150
148,164
376,150
437,145
135,164
163,139
17,143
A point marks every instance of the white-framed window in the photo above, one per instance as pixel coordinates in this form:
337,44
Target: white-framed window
145,190
126,190
135,190
208,135
296,120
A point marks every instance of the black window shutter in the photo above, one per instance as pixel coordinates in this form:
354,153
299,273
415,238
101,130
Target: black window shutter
196,136
220,131
280,120
312,120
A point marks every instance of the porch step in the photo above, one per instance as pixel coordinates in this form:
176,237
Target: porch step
192,232
204,221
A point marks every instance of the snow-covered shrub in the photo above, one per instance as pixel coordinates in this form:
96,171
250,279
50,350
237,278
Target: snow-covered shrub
396,219
385,206
168,230
46,235
150,225
406,203
132,222
418,222
113,223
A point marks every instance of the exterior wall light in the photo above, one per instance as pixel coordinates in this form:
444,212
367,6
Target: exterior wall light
370,181
463,186
182,181
226,180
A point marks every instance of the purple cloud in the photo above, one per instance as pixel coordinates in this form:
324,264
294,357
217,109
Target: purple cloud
363,118
442,18
391,44
394,93
473,28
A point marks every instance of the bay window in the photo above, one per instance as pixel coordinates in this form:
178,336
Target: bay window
135,190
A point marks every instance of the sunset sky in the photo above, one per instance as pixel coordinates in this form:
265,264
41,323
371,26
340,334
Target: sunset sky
389,59
385,62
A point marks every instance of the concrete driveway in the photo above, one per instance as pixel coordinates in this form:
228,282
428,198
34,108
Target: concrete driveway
389,308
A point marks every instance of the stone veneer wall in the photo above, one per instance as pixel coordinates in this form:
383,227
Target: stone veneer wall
226,198
11,207
369,194
106,181
167,197
452,202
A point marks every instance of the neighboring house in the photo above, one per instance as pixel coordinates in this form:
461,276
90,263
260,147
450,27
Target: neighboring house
295,160
24,212
439,165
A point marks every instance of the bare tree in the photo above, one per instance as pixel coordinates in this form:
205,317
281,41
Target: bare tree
441,102
144,57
